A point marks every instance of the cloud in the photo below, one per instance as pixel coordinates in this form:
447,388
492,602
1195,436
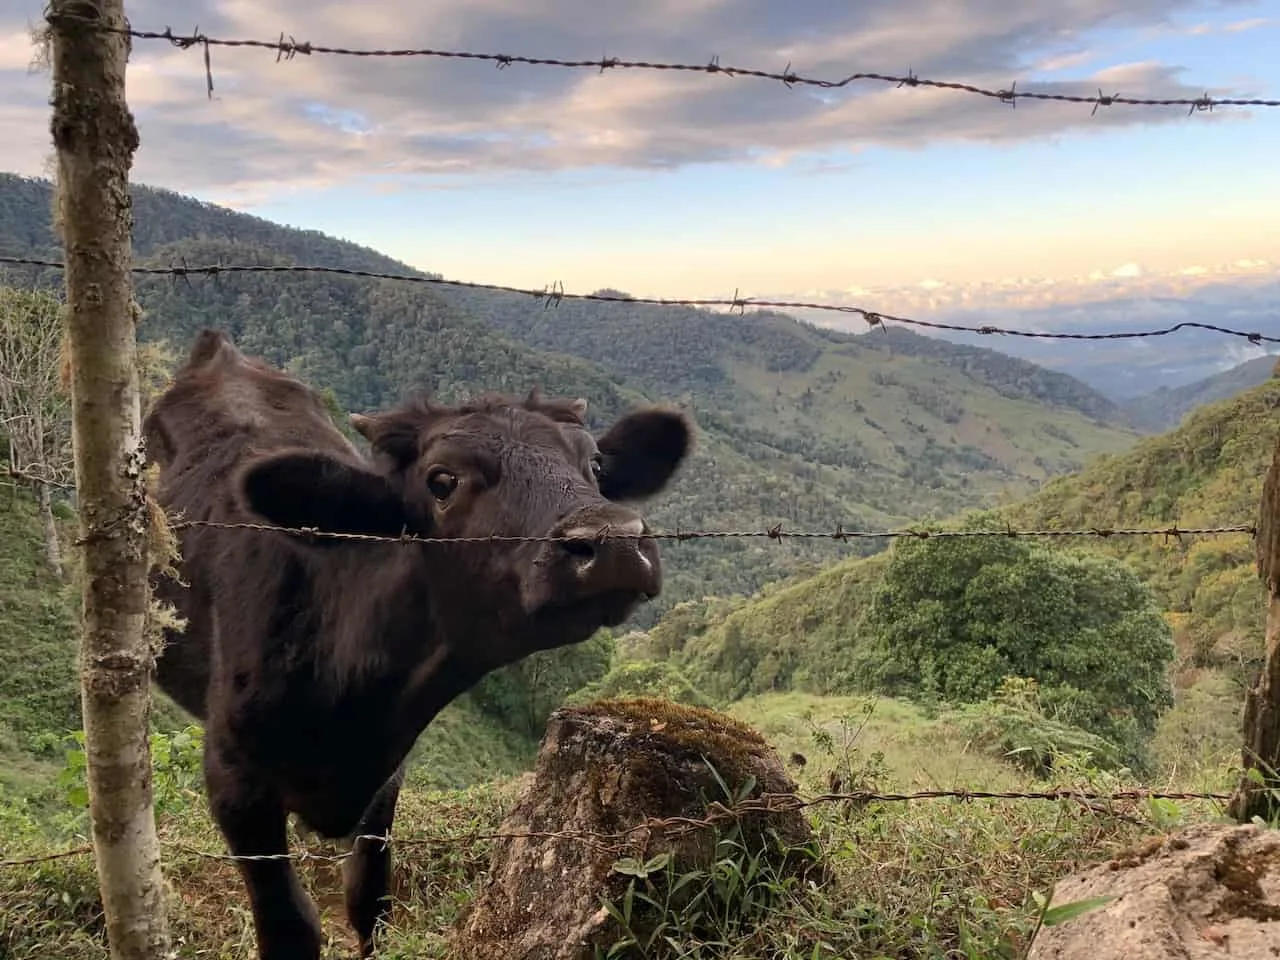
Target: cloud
1240,26
1250,281
1065,61
1241,295
321,120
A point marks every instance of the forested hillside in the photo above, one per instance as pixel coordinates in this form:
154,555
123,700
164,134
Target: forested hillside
798,425
1208,472
1164,409
956,423
812,634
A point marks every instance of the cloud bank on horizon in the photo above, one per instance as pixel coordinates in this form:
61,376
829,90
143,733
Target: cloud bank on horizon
319,126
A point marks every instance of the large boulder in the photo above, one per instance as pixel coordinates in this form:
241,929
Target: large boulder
1210,891
605,775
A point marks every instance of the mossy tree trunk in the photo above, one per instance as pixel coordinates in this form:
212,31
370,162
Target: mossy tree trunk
95,137
1258,793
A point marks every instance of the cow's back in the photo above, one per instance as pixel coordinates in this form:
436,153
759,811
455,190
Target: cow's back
220,409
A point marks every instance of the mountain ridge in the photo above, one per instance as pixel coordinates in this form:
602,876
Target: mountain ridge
1207,472
1126,367
797,425
152,236
1164,408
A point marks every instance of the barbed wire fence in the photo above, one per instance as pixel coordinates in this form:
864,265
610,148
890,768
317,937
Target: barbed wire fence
288,48
673,827
554,294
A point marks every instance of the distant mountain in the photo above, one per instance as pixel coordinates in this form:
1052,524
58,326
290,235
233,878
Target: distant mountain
961,422
1164,408
797,424
1124,369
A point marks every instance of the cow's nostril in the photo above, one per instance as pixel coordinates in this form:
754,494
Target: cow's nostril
583,549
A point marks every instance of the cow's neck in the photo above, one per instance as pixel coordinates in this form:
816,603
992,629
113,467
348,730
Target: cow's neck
394,641
380,615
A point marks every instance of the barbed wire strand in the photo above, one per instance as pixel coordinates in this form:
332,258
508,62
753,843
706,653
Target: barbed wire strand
286,48
675,826
775,532
554,294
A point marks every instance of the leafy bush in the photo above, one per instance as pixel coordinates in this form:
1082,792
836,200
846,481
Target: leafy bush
521,696
951,620
176,764
1012,725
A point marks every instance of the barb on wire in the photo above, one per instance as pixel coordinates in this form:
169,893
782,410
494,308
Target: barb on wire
772,533
289,48
676,826
554,294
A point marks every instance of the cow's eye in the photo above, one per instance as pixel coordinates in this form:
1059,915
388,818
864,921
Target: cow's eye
596,466
442,483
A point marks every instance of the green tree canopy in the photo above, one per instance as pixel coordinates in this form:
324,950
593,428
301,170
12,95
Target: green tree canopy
952,620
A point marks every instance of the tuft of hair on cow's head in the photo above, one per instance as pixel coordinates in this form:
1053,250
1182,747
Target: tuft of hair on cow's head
495,467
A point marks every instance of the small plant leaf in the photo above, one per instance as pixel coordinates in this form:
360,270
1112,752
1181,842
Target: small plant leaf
1069,911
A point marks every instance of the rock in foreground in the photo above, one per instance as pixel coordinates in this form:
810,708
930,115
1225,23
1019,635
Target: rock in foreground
1207,892
607,768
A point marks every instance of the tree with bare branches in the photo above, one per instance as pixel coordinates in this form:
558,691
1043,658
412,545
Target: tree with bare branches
35,409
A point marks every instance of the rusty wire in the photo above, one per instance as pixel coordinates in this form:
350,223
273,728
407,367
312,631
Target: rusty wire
286,48
775,532
678,826
552,296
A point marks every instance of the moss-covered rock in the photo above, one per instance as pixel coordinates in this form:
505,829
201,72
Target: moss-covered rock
621,779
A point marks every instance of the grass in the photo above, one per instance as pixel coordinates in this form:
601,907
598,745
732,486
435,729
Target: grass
894,741
929,879
39,684
464,747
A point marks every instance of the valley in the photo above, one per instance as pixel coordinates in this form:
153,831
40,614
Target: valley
797,425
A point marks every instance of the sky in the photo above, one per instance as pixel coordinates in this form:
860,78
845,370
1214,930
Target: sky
696,185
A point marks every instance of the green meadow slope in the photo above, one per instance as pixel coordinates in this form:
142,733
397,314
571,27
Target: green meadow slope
1206,473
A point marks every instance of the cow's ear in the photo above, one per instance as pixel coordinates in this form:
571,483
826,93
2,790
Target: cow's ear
308,488
642,451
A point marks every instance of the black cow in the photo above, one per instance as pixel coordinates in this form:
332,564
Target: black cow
314,663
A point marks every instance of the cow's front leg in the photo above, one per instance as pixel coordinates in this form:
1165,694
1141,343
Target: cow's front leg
253,822
366,872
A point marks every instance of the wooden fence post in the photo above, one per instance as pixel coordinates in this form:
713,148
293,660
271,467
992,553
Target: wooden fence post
1261,752
95,137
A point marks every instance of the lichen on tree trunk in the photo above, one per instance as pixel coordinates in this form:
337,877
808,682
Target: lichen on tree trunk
95,137
1257,792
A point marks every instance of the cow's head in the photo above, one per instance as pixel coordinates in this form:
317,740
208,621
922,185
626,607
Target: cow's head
497,468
